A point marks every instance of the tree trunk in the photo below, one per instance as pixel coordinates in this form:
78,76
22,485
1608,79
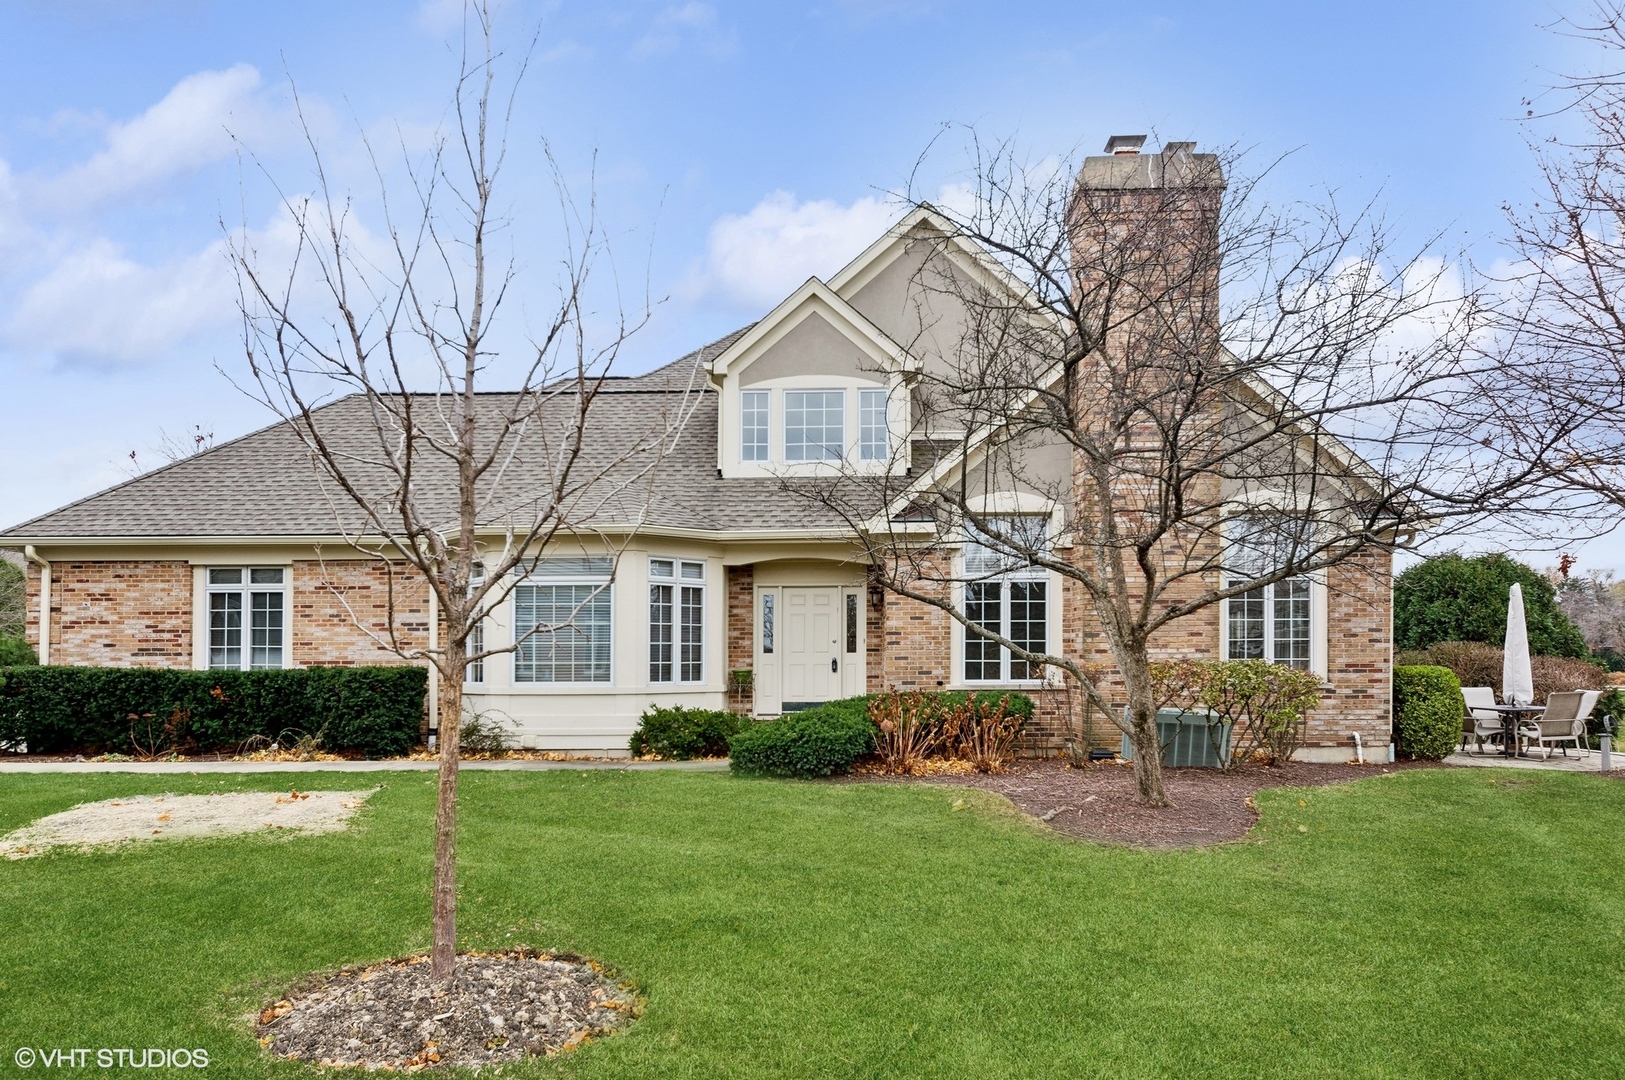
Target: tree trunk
443,958
1142,733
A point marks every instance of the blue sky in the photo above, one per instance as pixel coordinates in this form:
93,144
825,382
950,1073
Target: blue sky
739,147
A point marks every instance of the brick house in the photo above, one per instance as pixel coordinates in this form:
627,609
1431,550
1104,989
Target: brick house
234,557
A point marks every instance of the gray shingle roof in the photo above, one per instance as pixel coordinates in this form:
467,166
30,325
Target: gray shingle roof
267,483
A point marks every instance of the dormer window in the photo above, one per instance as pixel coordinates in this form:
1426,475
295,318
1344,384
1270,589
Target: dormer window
753,414
814,428
874,430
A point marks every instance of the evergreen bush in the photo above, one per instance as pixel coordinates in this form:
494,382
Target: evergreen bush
1428,710
371,711
820,741
681,734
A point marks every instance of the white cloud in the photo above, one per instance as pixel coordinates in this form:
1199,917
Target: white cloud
97,304
190,127
691,23
440,16
760,257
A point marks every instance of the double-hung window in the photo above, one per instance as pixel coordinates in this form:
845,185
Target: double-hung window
475,645
562,622
676,621
1271,622
814,425
1006,595
874,430
753,424
248,611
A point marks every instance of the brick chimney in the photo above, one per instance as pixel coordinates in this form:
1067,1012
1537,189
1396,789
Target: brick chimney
1145,243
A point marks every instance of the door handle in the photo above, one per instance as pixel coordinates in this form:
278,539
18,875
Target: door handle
832,666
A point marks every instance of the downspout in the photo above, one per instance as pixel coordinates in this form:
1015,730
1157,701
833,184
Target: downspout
44,601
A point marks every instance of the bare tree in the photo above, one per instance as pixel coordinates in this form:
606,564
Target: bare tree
1563,329
1195,396
459,489
173,448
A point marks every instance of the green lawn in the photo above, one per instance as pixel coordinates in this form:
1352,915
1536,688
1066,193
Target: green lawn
1442,923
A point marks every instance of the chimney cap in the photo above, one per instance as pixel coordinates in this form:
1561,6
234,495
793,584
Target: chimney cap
1125,144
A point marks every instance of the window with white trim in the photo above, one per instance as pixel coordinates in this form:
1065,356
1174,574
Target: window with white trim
248,617
1006,595
1272,622
814,425
874,430
475,644
753,424
563,622
676,621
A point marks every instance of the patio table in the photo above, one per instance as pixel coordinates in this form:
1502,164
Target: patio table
1512,714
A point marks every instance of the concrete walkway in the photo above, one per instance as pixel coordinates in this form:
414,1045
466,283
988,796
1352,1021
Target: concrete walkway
397,765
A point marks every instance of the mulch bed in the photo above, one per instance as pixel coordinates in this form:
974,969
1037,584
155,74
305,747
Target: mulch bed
1099,801
497,1008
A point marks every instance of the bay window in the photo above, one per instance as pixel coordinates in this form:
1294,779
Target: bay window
562,622
676,621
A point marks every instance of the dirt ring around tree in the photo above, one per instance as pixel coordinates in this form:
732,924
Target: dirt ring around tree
497,1008
111,823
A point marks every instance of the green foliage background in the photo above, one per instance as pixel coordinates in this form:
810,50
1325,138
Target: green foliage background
1464,598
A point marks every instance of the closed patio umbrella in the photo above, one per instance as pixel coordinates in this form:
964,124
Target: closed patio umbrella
1517,682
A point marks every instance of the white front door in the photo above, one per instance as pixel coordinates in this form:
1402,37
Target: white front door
810,633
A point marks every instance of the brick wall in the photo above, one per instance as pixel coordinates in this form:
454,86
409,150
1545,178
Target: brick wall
1359,614
741,629
917,639
911,648
117,613
330,598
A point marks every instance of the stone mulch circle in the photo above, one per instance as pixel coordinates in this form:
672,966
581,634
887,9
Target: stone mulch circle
497,1008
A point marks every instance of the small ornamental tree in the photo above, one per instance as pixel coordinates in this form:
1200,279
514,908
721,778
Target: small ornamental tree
427,475
1264,703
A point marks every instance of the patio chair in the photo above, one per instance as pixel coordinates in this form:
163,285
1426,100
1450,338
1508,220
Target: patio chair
1587,704
1560,723
1480,723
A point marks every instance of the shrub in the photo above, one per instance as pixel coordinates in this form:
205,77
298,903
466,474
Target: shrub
679,733
1460,598
1264,703
1477,664
1428,710
819,741
373,711
15,652
981,728
485,733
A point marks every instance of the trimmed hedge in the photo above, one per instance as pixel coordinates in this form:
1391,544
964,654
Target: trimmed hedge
819,741
374,711
1428,710
678,733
